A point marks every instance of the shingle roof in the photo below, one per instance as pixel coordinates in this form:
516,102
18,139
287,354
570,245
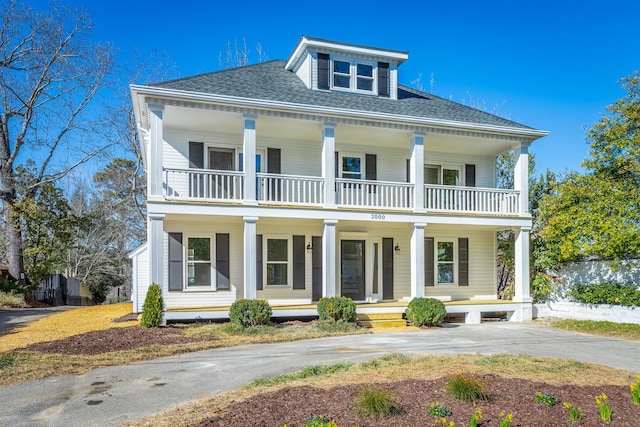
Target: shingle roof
269,81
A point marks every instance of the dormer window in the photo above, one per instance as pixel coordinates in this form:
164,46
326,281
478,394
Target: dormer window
353,75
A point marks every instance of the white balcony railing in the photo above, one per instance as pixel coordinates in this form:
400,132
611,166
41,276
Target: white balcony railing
374,194
204,184
290,189
217,185
446,198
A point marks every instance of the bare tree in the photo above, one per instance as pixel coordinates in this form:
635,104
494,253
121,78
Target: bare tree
239,55
50,72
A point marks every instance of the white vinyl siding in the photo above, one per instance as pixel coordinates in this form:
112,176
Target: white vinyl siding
482,272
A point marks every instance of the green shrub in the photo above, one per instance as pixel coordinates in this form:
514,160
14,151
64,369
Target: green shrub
467,388
14,287
12,299
337,308
606,293
425,312
250,312
541,288
152,307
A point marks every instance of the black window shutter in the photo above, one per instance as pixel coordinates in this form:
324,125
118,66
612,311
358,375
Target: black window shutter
470,175
273,166
316,262
337,165
222,261
371,167
273,160
408,170
463,261
298,262
196,155
387,268
175,262
323,71
428,262
259,262
383,78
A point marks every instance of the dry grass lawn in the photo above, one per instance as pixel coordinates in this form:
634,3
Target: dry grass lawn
65,324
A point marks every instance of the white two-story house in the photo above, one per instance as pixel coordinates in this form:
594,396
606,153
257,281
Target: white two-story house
321,175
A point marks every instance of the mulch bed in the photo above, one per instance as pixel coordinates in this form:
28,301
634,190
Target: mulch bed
115,339
293,405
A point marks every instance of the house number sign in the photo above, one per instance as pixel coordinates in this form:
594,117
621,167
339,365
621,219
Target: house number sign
378,217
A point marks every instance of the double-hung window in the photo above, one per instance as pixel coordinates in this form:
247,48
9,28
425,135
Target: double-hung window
445,260
199,262
352,166
277,262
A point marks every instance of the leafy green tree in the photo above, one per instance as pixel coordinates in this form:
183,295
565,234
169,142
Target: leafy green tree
45,221
598,213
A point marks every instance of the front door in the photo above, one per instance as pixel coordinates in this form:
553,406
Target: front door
352,272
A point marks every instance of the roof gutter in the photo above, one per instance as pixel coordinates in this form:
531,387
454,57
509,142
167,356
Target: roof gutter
340,112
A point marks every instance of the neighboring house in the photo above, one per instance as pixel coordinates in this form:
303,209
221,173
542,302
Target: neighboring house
321,175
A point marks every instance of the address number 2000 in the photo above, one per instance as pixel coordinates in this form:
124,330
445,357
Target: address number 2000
378,217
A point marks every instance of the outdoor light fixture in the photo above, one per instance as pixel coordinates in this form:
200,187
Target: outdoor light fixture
397,248
309,247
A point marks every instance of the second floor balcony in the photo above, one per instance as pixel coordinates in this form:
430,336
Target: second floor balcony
307,191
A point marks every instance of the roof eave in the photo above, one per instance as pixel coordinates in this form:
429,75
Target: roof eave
527,133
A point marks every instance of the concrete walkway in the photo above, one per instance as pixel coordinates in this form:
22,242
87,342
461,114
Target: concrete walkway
111,396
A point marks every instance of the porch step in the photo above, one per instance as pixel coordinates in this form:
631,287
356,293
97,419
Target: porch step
381,320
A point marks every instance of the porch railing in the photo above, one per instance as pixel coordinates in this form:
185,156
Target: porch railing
290,189
218,185
446,198
374,194
204,184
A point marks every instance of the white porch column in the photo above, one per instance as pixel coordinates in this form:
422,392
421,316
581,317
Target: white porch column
249,157
155,150
329,163
250,276
521,268
417,260
155,242
416,175
329,258
521,175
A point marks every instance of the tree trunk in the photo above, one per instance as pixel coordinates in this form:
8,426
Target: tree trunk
8,197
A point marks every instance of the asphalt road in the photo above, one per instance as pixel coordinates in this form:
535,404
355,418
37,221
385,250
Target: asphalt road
111,396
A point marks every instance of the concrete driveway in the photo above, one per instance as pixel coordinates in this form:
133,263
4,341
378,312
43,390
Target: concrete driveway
13,317
111,396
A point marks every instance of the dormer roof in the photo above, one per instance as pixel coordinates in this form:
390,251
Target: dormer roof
313,44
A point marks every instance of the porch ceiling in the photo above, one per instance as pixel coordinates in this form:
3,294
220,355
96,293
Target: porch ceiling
186,119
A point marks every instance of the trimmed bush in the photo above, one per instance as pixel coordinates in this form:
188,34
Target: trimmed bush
152,307
337,308
425,312
250,312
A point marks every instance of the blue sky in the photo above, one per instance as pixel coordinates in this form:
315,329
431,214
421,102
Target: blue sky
552,65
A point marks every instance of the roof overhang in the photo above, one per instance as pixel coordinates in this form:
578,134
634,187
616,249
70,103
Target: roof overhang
306,42
139,93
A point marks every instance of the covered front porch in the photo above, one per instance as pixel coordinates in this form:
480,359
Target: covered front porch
474,311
